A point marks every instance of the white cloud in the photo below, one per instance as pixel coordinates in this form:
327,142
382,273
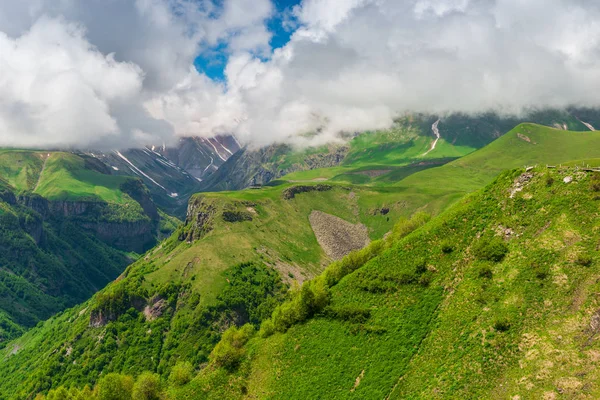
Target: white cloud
86,72
359,64
54,86
122,73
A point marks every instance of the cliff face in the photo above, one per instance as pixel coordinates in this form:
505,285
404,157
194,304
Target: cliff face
136,235
203,211
258,167
199,220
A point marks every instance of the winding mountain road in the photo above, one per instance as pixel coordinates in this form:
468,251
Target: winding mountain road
436,133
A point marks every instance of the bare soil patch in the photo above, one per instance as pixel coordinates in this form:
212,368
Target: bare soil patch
337,236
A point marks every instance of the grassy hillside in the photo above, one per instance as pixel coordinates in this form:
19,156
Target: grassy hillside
426,187
375,157
66,176
65,225
190,276
527,144
21,168
175,303
493,299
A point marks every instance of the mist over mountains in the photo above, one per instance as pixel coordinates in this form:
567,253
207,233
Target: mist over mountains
121,74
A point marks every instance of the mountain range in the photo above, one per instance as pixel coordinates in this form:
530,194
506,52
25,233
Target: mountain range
441,258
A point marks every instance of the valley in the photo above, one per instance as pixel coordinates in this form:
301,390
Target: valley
176,302
299,199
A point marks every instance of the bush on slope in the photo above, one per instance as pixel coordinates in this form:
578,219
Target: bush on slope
426,322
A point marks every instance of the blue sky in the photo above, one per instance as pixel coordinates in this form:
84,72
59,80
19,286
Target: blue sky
213,61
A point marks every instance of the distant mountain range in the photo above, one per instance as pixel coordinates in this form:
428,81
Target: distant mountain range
71,222
256,167
172,174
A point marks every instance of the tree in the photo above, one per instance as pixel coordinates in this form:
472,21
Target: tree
230,350
181,373
147,387
115,387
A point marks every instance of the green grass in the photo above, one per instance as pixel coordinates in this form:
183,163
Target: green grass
439,187
65,177
279,234
396,153
403,309
21,168
478,328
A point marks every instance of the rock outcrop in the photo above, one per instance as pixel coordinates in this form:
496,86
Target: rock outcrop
291,192
137,234
248,168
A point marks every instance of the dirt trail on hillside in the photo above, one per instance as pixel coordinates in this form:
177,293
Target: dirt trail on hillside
337,236
436,132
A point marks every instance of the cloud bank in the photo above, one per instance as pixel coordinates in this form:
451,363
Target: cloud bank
119,73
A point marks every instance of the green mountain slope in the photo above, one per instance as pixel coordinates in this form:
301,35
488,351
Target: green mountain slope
527,144
493,299
66,224
435,188
389,155
176,302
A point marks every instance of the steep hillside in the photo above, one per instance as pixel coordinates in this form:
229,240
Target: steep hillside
66,224
415,143
493,299
47,264
232,260
176,301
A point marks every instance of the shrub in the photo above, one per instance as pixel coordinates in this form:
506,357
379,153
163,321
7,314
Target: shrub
486,273
350,263
147,387
349,313
425,280
585,260
447,247
421,267
115,387
490,249
236,216
404,226
181,373
229,352
549,180
60,393
267,328
406,278
541,275
502,325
